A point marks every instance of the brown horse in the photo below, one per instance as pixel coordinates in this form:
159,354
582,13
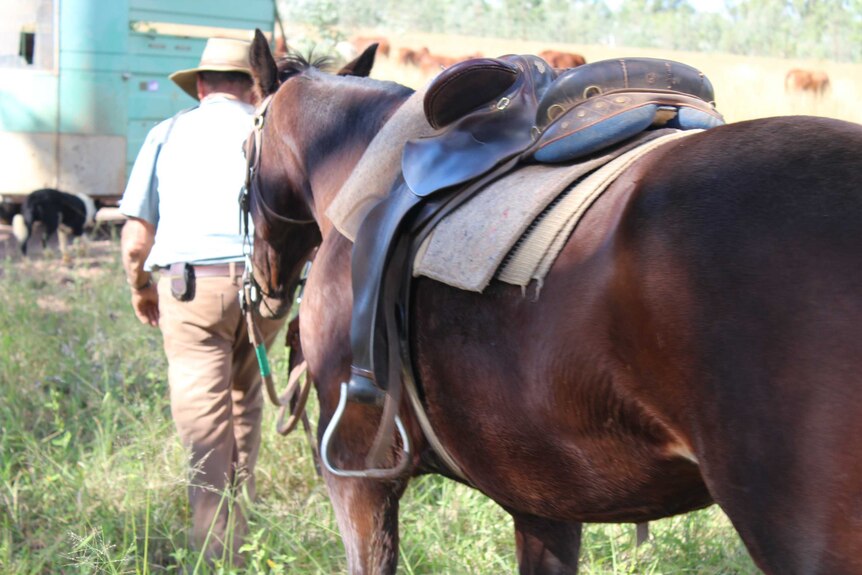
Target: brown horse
698,340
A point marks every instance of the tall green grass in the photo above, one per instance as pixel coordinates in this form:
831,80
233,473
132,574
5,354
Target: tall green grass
92,476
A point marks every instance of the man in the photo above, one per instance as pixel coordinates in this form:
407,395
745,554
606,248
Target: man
181,201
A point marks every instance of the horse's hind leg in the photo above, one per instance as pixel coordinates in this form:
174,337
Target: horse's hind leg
546,547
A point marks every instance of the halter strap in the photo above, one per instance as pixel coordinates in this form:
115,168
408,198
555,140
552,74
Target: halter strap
255,138
253,168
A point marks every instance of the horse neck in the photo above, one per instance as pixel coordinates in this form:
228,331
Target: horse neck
330,168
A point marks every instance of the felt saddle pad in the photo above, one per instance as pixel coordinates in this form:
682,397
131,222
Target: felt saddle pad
379,166
467,248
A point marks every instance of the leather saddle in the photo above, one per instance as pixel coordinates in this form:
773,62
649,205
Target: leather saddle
492,115
598,105
486,108
490,109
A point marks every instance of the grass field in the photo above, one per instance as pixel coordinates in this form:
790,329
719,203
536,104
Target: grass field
92,475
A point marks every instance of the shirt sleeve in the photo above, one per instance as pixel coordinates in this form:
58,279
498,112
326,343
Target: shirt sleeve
141,197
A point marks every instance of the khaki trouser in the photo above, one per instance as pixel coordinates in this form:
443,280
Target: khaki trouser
216,403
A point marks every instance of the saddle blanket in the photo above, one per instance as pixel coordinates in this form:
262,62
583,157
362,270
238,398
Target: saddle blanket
379,166
466,250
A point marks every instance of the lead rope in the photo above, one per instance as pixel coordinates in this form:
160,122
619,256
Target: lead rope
297,370
296,393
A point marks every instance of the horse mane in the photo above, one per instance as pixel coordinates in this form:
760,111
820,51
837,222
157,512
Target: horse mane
295,63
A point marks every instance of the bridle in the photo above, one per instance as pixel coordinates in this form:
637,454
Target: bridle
253,145
252,151
294,398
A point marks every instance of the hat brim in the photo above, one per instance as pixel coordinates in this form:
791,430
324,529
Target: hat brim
187,80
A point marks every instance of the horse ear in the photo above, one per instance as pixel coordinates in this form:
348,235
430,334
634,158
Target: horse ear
263,68
362,65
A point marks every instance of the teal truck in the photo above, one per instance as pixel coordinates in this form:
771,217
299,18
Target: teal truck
83,81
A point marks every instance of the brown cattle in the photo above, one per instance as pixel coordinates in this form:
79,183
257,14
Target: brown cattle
562,60
363,42
432,63
408,57
469,57
799,80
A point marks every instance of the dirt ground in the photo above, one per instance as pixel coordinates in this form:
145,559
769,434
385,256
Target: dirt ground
91,257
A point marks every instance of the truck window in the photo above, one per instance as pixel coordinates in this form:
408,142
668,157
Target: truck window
27,39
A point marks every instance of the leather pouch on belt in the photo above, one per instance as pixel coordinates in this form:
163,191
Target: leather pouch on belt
182,276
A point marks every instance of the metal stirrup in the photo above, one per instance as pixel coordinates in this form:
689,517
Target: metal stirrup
391,473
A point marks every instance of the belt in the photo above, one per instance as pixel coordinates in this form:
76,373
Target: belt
228,270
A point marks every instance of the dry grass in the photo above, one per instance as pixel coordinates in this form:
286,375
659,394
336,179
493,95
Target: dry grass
745,87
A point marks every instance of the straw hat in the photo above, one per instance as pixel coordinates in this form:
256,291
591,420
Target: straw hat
220,55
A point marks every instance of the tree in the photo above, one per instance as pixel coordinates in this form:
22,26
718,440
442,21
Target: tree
788,28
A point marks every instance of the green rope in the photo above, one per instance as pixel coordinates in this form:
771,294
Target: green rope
262,360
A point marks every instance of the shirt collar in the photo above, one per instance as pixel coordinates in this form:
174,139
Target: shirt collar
221,97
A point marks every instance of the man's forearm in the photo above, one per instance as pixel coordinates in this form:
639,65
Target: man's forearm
136,242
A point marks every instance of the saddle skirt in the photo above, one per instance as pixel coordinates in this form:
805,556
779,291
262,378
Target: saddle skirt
508,231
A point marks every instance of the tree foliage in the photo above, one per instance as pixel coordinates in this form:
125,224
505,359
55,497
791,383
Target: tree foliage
830,29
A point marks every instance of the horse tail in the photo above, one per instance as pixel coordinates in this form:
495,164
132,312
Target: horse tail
21,231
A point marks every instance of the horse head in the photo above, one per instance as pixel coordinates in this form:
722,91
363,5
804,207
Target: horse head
286,198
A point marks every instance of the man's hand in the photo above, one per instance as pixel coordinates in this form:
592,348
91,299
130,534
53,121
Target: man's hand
136,242
145,302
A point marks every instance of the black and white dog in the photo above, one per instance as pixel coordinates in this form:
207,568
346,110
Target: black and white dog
59,211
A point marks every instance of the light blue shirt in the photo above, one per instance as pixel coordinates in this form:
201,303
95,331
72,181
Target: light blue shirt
186,182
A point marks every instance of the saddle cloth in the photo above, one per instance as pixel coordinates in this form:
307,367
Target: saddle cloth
466,250
379,166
